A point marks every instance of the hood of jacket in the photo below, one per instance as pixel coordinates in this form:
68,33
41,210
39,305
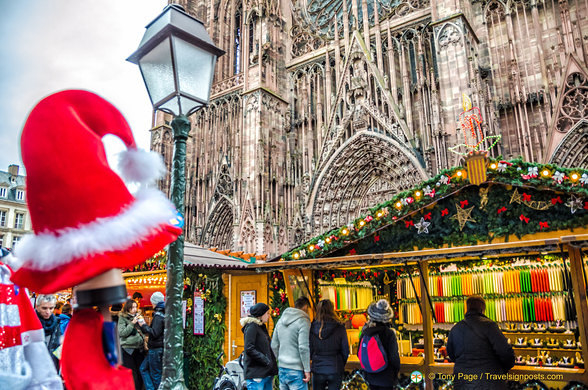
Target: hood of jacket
291,315
327,331
250,320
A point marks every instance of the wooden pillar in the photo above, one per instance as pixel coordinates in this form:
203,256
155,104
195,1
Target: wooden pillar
580,300
427,324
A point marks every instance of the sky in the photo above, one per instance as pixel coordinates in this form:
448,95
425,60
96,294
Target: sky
48,46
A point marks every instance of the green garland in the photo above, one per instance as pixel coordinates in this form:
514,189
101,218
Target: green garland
279,297
391,226
200,352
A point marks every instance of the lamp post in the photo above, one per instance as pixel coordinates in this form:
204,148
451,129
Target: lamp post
176,57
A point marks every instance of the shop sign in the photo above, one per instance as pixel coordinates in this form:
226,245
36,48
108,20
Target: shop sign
198,313
247,300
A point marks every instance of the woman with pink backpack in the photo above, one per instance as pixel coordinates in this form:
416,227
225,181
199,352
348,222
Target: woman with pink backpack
378,348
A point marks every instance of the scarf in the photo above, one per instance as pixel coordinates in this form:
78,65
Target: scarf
49,324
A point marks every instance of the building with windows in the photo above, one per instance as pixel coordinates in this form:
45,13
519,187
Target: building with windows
14,216
323,108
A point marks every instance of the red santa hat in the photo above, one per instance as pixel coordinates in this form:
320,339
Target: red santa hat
85,220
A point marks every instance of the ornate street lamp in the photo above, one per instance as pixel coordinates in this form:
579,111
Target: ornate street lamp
176,57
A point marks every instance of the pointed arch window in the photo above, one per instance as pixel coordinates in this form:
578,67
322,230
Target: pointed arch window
237,42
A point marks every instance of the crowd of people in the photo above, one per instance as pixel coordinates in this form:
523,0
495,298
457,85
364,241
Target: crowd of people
299,349
141,344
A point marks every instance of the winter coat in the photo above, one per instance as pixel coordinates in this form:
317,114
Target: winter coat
290,341
52,332
130,337
329,350
155,331
389,376
477,346
259,360
64,322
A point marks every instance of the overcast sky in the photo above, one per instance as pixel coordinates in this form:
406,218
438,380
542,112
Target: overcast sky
51,45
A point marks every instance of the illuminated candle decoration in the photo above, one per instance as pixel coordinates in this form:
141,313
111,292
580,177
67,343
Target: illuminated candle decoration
470,122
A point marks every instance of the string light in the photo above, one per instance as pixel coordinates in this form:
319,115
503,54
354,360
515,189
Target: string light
574,177
545,173
493,166
344,231
398,205
361,223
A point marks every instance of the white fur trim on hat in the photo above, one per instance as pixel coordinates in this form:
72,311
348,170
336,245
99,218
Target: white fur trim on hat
46,251
141,166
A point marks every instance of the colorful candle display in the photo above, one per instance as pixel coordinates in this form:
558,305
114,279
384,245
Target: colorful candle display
348,296
529,292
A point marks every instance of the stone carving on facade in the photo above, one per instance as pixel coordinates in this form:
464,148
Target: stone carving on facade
572,151
449,34
574,106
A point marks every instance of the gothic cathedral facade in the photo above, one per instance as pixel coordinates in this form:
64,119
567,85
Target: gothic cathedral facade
321,109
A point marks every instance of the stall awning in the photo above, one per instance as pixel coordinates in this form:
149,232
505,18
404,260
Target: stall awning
197,256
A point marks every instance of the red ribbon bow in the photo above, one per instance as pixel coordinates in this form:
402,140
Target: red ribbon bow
444,212
543,225
352,252
523,218
408,224
556,200
464,203
526,197
501,210
376,238
427,216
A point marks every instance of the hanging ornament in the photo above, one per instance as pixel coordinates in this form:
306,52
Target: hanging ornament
422,226
463,216
575,203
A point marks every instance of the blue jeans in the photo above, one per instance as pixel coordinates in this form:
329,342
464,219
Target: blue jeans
151,368
265,384
291,379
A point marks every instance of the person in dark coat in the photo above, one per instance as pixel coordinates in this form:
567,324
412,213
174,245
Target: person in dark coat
379,317
152,365
44,306
329,348
259,364
479,349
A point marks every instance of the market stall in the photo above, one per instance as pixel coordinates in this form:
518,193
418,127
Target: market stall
518,238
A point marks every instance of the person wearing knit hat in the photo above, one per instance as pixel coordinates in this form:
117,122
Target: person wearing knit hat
152,366
156,298
380,311
379,324
259,363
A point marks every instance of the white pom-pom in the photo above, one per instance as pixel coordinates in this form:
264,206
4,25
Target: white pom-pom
141,166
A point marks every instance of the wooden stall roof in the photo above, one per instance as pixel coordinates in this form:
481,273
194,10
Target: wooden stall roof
521,208
197,256
527,245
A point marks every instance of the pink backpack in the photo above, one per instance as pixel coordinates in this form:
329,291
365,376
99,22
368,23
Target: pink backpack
372,354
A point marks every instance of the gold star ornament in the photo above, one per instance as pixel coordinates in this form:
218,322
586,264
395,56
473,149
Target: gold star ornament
463,215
